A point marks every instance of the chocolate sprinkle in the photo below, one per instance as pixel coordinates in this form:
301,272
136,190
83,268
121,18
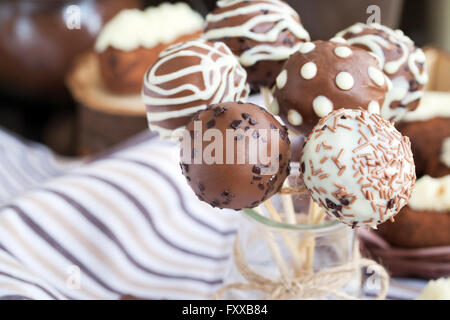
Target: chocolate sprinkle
390,204
219,111
256,169
245,116
235,124
210,124
252,122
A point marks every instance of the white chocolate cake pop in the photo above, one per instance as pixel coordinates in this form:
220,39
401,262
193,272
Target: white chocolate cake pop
188,77
358,167
401,61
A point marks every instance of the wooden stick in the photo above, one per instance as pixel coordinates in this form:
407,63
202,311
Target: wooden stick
275,251
267,95
315,216
288,205
288,241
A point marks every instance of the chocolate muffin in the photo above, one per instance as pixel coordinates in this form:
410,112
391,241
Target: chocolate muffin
133,39
261,33
234,178
425,222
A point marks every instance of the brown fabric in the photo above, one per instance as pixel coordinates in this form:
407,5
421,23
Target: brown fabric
427,263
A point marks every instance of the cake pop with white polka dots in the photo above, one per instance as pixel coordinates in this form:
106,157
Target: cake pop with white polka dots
358,167
323,76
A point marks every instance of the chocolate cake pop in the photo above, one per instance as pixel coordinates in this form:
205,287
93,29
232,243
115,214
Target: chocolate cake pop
323,76
261,33
400,60
235,180
187,78
358,167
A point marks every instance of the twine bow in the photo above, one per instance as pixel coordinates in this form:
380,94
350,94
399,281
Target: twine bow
306,286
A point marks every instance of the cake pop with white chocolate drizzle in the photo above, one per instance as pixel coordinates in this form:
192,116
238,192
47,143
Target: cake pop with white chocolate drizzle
261,33
188,77
323,76
358,167
399,58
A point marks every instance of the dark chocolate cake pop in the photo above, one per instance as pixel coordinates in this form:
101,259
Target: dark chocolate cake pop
261,33
400,59
234,175
323,76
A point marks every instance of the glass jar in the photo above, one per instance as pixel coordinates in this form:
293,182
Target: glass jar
279,260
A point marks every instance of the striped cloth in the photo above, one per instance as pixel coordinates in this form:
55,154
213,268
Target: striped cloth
85,235
24,165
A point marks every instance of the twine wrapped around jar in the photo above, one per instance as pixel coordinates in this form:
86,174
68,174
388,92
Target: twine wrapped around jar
307,285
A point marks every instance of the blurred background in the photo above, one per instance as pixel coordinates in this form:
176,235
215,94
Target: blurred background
37,48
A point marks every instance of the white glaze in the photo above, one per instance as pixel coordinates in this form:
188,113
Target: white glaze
322,106
344,81
432,105
308,70
445,152
133,28
281,79
338,40
431,194
274,107
306,47
374,107
343,52
294,117
217,69
376,76
280,13
330,147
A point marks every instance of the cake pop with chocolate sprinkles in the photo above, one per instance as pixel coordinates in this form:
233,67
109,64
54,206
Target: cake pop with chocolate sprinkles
231,176
261,33
324,76
358,167
187,78
401,61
